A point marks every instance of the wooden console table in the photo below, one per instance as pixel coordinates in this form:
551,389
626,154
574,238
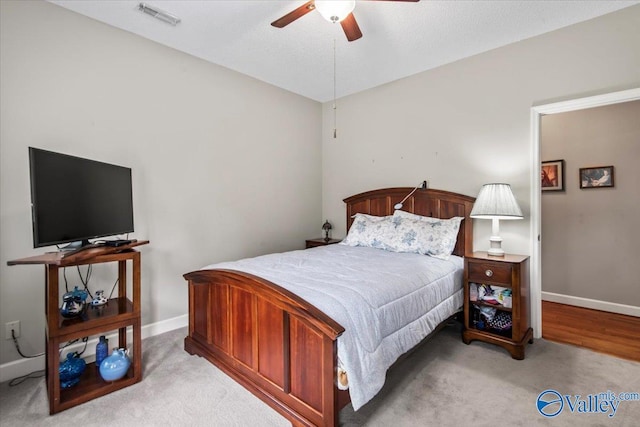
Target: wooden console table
118,313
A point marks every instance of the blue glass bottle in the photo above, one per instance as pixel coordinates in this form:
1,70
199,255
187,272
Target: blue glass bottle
102,350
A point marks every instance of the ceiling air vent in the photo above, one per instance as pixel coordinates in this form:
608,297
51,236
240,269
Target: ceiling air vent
159,14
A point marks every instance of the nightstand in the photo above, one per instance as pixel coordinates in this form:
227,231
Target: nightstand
312,243
508,307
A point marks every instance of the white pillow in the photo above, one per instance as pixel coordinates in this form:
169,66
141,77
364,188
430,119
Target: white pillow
405,232
371,217
368,230
408,215
433,236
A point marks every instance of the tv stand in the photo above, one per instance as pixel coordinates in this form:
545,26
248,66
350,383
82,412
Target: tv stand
117,314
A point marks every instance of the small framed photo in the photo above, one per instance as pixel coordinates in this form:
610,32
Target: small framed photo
552,175
596,177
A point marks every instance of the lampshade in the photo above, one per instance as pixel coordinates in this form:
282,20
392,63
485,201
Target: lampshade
496,202
335,10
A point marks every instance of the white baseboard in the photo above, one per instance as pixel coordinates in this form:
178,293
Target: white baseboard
18,368
612,307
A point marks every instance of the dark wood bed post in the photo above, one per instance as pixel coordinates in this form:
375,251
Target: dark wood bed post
278,346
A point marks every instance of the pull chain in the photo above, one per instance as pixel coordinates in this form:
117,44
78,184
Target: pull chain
335,125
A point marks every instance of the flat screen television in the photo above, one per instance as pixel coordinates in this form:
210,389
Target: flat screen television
75,199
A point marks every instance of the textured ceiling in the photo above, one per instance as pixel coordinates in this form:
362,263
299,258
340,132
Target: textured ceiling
400,39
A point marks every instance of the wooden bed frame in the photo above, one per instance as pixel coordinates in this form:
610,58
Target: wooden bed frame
277,345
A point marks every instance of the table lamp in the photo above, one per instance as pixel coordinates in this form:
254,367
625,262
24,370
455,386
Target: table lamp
496,202
326,227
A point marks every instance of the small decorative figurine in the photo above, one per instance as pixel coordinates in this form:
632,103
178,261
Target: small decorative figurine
71,369
115,366
73,303
99,299
326,227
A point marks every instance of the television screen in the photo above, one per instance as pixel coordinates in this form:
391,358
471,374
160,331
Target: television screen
75,199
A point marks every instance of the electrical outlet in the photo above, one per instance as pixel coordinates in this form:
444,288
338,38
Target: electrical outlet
9,326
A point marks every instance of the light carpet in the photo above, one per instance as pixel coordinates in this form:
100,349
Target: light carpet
443,383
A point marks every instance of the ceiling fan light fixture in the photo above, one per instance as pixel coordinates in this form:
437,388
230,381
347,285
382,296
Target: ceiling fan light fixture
335,10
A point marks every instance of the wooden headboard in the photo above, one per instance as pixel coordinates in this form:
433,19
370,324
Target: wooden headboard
428,202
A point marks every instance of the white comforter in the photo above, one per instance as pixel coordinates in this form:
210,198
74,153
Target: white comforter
381,298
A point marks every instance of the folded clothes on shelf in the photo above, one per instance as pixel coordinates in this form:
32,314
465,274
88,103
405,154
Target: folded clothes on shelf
492,294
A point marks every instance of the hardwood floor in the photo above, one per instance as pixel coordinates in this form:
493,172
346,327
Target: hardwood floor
601,331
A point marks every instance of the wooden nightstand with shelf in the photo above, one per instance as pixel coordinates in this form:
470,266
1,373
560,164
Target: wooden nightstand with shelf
312,243
509,273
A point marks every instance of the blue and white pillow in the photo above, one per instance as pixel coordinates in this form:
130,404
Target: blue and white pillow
368,230
435,237
405,232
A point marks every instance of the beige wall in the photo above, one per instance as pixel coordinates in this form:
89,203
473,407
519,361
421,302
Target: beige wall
590,236
469,123
74,85
201,141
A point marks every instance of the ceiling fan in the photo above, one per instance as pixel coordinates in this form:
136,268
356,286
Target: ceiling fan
333,11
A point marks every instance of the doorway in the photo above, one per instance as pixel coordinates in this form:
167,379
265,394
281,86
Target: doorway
536,220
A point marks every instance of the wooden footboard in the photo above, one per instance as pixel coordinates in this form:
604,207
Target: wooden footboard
275,344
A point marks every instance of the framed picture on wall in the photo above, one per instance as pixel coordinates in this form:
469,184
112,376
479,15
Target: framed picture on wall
552,175
596,177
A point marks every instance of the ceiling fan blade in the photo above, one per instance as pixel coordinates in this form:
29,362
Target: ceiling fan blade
295,14
351,28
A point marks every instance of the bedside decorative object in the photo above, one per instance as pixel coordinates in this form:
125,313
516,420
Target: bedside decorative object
71,369
496,202
115,366
327,227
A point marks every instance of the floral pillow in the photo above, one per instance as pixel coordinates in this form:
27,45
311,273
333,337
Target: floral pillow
405,232
408,215
433,236
368,230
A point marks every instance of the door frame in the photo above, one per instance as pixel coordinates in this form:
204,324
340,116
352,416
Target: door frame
536,213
